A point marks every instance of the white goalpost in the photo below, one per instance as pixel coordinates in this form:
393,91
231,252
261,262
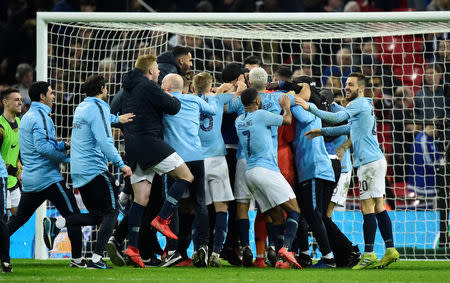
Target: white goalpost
405,55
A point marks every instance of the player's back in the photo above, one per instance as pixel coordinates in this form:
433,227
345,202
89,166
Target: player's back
255,138
181,131
363,131
210,127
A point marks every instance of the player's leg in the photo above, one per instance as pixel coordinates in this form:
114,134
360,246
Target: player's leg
201,229
218,190
4,232
261,233
243,197
175,167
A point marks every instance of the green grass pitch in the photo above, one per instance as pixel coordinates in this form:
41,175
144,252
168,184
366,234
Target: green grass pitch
30,270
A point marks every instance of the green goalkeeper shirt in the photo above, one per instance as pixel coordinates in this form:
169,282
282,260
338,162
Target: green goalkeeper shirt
9,148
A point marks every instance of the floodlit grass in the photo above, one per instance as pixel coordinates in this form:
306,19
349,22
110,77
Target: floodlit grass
28,270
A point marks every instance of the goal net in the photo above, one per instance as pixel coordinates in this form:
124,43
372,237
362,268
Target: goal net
406,57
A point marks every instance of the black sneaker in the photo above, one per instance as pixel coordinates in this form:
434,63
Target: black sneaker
304,260
200,257
50,231
152,261
247,256
325,263
6,267
115,252
272,256
101,264
233,255
81,264
354,257
172,258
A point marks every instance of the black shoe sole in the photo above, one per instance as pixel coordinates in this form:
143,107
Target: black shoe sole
114,255
247,258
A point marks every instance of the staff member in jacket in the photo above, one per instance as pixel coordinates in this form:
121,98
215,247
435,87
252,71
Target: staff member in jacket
147,151
41,155
92,146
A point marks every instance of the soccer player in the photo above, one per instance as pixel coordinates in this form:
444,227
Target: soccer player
263,177
147,151
92,145
9,144
270,102
41,155
4,231
370,162
217,181
181,131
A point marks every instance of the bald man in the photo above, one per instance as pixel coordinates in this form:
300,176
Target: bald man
181,133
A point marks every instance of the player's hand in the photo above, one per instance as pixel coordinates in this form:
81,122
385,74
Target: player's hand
314,133
284,101
126,118
300,101
226,87
126,170
67,145
340,151
241,86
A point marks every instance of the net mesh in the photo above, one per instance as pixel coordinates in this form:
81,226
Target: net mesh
408,65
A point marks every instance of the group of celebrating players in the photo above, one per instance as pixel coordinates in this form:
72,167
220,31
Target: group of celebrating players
294,169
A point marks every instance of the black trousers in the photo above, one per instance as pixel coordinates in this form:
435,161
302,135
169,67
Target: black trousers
100,198
4,231
310,197
64,201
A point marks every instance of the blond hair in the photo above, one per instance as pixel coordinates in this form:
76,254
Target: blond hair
202,82
145,62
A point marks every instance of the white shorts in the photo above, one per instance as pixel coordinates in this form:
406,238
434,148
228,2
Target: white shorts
165,166
12,198
269,188
217,180
371,178
241,192
340,192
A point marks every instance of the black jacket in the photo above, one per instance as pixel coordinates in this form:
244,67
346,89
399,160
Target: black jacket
144,140
167,65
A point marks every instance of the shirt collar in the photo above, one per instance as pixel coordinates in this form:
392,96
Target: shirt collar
95,99
41,106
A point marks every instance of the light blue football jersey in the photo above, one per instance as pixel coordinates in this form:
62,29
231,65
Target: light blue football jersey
210,127
181,130
311,156
255,137
361,125
269,102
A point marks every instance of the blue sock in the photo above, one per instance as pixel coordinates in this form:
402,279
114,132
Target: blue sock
370,228
176,191
276,237
270,234
244,227
220,231
290,226
385,226
134,222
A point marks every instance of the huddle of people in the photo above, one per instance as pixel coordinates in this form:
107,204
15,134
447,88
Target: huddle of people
294,169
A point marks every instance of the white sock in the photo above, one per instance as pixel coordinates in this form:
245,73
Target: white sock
60,222
96,257
328,256
123,197
77,260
